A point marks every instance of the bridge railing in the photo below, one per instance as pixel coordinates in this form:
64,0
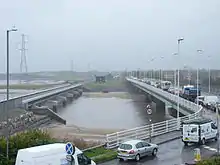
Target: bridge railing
145,132
174,98
50,94
33,94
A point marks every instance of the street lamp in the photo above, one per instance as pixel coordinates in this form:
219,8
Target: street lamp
161,71
7,95
197,81
175,54
152,59
178,83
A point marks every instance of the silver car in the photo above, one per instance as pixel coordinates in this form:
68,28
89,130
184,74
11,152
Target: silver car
135,149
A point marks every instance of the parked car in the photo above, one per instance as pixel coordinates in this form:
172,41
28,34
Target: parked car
136,149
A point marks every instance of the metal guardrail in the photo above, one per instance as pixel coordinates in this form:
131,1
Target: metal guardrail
144,132
156,129
34,94
63,89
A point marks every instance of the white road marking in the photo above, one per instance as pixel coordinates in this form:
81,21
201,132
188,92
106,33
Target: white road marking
210,148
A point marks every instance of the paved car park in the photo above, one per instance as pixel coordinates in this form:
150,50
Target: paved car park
171,153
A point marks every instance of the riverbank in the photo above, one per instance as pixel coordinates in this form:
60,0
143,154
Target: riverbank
121,95
110,86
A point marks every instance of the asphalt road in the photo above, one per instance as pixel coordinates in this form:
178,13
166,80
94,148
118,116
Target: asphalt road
172,153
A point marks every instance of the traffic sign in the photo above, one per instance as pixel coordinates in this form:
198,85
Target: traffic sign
148,106
149,111
70,149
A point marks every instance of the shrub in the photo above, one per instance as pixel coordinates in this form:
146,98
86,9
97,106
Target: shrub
211,161
22,140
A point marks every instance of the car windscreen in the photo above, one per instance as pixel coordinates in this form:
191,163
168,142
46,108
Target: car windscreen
125,146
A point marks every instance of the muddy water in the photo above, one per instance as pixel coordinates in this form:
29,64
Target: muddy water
109,112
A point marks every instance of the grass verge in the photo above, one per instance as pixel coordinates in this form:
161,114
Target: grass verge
101,154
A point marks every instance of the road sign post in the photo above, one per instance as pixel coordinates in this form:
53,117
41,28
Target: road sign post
149,112
70,150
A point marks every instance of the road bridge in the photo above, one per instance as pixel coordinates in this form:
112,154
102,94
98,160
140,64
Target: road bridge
28,99
44,102
165,99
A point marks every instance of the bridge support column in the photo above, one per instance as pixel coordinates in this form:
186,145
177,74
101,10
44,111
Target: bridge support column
160,107
69,97
148,98
53,104
63,100
173,112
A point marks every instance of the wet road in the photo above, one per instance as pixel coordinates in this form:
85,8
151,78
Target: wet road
171,153
109,113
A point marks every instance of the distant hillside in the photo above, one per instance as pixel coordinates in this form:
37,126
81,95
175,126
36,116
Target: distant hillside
56,75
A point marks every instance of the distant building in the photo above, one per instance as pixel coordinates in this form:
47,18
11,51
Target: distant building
102,78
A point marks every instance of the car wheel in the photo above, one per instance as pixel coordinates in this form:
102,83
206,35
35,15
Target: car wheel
203,141
120,159
154,153
216,137
185,143
137,157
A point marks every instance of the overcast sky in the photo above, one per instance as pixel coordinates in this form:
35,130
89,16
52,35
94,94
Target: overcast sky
111,34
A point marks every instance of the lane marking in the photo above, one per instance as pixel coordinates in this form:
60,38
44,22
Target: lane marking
210,148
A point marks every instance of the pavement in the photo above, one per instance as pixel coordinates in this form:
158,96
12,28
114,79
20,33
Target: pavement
171,153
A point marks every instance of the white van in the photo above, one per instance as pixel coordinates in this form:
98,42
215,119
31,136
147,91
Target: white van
51,154
165,85
199,131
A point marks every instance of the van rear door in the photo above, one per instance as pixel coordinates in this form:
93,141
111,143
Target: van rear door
190,133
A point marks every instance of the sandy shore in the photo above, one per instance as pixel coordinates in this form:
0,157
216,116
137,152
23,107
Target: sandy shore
70,132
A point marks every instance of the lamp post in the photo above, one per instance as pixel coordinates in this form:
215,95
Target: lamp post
197,81
175,54
161,71
149,112
152,74
178,83
209,76
7,93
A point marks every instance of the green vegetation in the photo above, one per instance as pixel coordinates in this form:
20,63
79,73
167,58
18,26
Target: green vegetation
22,140
27,86
211,161
117,85
101,154
38,137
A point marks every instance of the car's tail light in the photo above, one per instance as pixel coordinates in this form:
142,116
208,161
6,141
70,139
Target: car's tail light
131,152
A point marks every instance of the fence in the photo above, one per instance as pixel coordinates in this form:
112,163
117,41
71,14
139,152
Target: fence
144,132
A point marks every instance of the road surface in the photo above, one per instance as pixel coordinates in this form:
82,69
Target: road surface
171,153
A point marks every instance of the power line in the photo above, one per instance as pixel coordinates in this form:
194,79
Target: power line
71,66
23,60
